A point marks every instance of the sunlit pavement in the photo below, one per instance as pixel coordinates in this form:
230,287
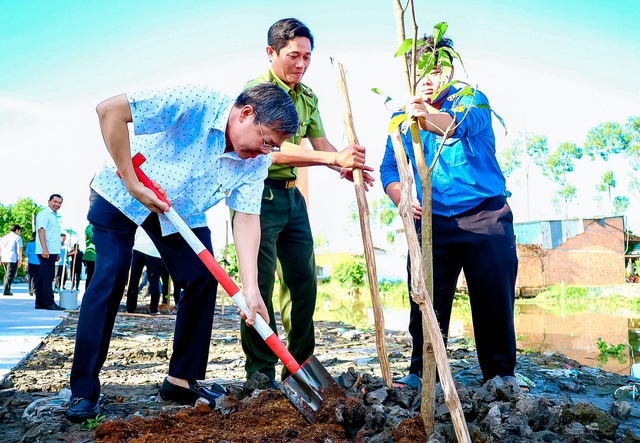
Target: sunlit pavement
22,326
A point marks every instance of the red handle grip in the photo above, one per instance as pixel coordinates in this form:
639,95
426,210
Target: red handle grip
138,160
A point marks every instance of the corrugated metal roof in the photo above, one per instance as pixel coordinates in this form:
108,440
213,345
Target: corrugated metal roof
548,234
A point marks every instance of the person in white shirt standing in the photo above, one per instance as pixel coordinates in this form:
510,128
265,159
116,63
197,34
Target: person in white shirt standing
11,250
48,252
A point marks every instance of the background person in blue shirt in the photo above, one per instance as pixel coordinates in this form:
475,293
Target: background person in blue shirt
472,222
33,264
201,147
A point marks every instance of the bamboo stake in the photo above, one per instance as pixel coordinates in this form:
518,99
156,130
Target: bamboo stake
421,297
363,211
399,13
427,408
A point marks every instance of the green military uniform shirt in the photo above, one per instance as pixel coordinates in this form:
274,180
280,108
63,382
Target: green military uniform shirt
306,104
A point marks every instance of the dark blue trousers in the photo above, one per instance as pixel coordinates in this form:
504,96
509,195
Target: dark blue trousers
44,282
482,243
113,236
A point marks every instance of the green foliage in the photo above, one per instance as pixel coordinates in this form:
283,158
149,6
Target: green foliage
351,275
231,264
380,92
391,237
436,59
93,423
634,185
611,138
611,350
537,148
578,299
382,214
526,146
636,267
332,305
22,213
607,181
632,127
556,167
509,160
562,161
607,139
620,204
394,293
570,292
320,242
383,211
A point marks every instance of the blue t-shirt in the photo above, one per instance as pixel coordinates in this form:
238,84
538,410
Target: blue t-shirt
30,253
467,171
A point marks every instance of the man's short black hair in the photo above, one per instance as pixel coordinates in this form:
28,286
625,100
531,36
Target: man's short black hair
55,195
15,228
273,107
287,29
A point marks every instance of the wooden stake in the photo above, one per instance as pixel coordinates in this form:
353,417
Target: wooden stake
363,211
421,297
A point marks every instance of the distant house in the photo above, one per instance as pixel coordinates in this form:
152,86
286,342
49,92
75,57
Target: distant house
588,251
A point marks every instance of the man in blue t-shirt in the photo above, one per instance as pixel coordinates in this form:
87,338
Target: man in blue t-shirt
472,222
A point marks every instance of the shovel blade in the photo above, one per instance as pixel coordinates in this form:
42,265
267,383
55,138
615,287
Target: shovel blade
307,387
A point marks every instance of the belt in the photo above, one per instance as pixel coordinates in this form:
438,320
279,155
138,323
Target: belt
280,184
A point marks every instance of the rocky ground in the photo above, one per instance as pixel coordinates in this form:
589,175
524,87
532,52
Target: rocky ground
569,402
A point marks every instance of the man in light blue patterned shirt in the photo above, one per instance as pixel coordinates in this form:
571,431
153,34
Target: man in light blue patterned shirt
201,147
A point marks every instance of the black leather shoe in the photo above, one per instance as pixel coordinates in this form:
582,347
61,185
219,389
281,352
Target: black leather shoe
81,410
54,307
169,391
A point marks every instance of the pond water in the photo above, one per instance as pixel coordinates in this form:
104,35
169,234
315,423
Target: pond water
570,328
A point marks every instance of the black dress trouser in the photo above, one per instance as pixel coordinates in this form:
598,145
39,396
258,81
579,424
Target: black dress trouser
480,242
113,236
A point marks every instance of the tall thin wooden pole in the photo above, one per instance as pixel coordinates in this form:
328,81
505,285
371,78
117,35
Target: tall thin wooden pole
421,297
365,228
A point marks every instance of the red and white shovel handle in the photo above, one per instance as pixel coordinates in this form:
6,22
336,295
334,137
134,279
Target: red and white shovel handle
223,278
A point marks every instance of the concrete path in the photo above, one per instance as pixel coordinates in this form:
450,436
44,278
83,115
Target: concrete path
22,327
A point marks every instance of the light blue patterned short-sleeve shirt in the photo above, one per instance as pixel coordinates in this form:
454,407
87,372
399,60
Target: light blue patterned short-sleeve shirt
181,132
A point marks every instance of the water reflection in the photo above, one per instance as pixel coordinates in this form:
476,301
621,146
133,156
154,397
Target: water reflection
573,331
570,328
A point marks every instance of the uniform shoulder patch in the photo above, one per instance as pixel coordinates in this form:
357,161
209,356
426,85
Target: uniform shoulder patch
307,91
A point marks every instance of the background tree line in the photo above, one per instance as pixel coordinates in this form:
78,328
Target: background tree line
22,213
605,141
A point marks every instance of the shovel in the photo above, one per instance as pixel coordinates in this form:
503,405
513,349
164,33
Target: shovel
308,382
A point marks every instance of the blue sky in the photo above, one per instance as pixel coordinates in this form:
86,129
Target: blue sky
553,68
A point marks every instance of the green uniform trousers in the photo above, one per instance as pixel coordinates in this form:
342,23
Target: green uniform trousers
285,236
284,297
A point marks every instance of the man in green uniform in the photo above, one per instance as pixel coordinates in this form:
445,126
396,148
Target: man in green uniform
285,230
